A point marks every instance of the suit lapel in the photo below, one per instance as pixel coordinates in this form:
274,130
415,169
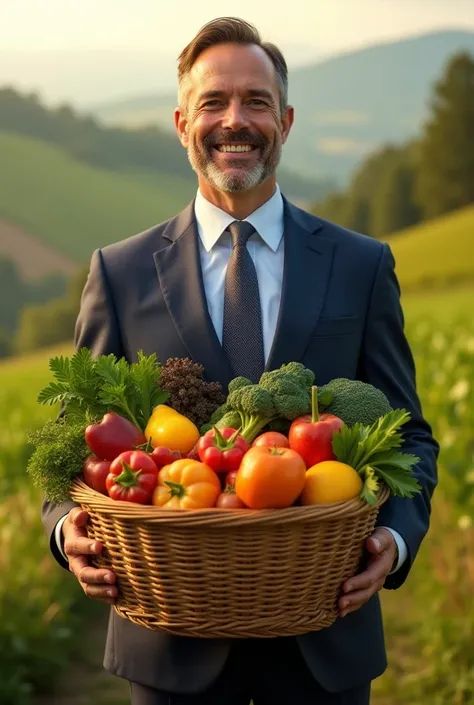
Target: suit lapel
307,267
179,272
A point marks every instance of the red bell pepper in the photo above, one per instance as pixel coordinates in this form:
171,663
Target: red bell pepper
222,449
95,472
112,436
133,477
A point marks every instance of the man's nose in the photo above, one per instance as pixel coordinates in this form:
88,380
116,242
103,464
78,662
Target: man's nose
235,117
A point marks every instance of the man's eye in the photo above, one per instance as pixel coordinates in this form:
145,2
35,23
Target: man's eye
257,101
212,103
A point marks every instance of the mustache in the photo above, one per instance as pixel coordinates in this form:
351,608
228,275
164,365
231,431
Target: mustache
227,137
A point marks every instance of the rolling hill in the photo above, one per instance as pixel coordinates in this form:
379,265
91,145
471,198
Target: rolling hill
73,207
438,253
345,106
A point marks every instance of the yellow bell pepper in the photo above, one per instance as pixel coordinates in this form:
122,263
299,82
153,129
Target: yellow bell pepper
167,427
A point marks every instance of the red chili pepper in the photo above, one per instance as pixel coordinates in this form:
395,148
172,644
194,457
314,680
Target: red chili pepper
112,436
164,456
133,477
222,449
95,472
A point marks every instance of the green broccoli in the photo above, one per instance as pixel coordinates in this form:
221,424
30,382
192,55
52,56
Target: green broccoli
355,401
290,397
238,383
283,393
232,419
304,374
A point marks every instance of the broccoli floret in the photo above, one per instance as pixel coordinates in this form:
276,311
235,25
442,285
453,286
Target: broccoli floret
216,416
255,407
302,373
238,383
231,419
291,399
355,401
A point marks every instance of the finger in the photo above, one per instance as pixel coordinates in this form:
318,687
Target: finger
81,546
96,576
378,568
77,564
355,600
100,592
380,540
79,517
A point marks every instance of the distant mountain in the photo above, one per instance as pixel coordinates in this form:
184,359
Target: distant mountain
345,106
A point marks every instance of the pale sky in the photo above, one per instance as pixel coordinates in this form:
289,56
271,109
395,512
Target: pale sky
330,24
304,29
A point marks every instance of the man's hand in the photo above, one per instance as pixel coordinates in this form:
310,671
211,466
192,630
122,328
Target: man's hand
358,590
96,583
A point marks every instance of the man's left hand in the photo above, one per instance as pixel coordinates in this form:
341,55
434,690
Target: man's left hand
358,590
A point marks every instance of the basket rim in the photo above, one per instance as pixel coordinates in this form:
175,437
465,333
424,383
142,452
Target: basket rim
83,494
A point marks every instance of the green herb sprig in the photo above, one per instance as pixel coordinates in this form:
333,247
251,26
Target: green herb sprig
372,451
90,387
58,457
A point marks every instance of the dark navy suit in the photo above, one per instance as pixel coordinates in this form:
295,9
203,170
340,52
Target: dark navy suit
341,316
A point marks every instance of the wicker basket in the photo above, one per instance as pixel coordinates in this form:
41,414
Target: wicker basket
222,573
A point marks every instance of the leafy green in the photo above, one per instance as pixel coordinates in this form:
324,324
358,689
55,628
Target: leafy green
89,388
372,451
59,454
371,485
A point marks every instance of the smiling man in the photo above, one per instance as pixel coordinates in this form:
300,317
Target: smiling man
242,281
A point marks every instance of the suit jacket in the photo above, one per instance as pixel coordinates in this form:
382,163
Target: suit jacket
341,316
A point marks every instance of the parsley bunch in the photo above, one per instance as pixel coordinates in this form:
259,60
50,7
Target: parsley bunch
372,451
58,456
89,388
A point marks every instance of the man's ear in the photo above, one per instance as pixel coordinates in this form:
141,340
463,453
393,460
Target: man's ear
182,127
287,122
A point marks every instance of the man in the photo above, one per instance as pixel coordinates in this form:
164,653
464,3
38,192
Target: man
241,281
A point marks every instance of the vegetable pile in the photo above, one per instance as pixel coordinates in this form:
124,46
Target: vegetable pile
162,435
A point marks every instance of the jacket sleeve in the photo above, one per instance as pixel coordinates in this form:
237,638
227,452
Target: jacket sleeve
387,363
96,328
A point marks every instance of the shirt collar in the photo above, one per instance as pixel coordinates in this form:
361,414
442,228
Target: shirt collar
267,220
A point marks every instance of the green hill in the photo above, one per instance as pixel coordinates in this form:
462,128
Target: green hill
437,253
74,207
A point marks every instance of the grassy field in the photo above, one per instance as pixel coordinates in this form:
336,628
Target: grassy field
439,306
429,623
75,208
437,253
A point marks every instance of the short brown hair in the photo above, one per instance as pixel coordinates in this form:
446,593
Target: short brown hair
231,30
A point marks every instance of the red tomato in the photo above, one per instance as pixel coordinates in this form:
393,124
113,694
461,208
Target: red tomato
132,477
230,478
229,500
271,439
95,471
164,456
270,478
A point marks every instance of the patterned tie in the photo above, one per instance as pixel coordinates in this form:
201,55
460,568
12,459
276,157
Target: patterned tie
242,338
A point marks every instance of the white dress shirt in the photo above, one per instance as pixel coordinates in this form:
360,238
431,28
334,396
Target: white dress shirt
267,252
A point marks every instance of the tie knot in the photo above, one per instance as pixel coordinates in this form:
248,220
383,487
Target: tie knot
240,231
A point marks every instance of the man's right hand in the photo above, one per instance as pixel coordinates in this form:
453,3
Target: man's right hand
97,583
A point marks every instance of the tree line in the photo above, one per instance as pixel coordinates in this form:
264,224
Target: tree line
401,185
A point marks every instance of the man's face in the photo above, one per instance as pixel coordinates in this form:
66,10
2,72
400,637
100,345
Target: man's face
233,128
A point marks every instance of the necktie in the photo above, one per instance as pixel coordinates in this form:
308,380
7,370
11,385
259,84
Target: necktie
242,338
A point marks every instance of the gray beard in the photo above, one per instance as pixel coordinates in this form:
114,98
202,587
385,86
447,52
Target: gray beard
243,180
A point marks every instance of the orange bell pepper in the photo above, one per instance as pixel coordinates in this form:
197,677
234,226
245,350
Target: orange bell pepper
186,484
